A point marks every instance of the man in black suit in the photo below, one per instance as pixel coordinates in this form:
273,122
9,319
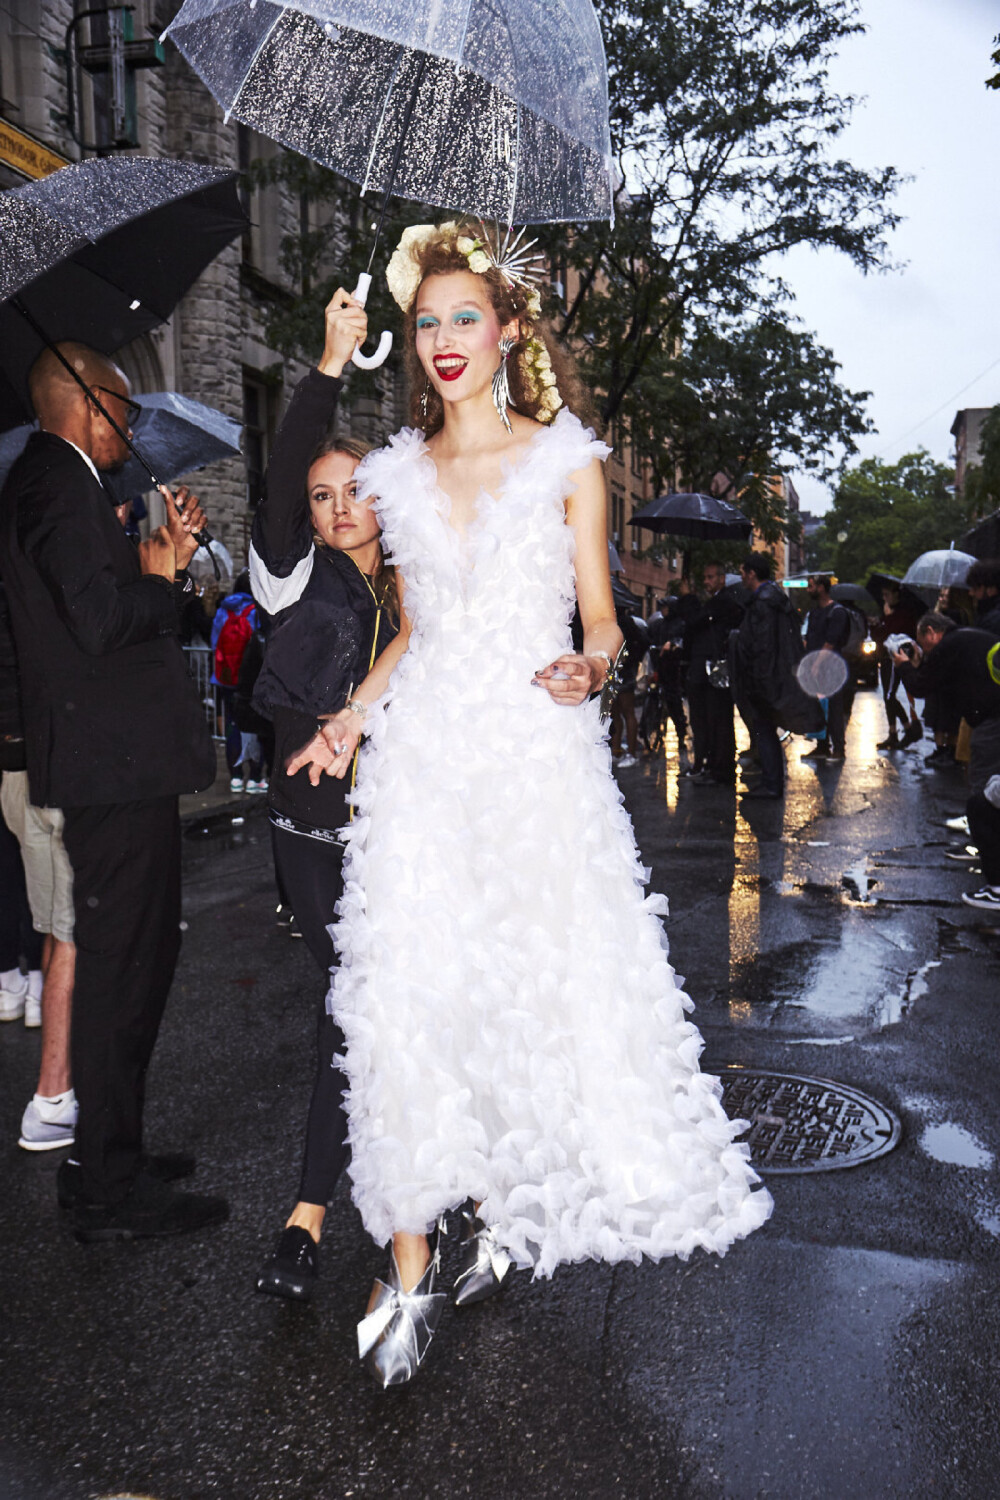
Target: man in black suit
706,635
113,733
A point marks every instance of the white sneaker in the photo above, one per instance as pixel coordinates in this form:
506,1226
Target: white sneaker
256,786
13,994
986,899
625,761
236,783
33,999
960,825
48,1124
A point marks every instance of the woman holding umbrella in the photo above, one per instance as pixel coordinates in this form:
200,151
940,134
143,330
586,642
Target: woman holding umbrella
515,1035
316,568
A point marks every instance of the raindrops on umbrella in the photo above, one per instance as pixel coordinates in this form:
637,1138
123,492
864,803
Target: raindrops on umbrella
943,568
821,673
497,108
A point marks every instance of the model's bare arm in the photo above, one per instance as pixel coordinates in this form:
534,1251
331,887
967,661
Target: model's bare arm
332,749
573,677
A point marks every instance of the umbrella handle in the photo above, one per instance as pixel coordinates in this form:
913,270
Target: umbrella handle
370,361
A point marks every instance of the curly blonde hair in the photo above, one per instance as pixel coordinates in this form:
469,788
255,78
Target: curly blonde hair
440,256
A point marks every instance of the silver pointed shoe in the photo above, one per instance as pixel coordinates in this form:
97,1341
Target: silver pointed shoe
484,1263
394,1337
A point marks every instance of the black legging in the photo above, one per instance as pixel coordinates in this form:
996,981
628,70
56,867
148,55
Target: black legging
309,874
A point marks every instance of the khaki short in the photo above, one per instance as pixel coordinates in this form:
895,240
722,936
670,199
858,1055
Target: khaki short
47,870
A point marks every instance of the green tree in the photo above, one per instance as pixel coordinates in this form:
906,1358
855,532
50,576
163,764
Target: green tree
885,515
981,491
994,81
725,130
741,404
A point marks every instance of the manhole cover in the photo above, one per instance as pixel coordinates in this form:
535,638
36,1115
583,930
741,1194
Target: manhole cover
807,1124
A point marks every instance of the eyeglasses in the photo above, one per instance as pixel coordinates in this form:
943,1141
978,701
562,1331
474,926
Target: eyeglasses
133,411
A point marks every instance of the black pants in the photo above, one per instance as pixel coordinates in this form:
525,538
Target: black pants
126,860
772,757
18,938
310,876
712,726
984,832
836,722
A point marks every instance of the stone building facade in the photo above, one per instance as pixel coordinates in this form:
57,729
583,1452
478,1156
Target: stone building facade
214,348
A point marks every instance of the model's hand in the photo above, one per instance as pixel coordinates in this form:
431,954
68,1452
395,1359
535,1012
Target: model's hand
570,679
183,523
316,757
346,327
157,555
329,752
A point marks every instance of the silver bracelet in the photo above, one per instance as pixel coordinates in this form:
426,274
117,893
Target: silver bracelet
357,707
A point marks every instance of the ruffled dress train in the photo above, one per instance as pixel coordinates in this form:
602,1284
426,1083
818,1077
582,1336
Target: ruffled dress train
515,1033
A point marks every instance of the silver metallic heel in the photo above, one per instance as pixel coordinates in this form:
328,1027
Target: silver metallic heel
484,1263
394,1337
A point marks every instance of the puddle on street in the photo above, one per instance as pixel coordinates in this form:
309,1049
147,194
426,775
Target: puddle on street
954,1145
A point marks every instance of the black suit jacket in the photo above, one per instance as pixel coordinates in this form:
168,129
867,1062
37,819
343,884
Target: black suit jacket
110,713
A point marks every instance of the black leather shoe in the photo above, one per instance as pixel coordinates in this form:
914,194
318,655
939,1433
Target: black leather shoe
151,1209
293,1268
169,1167
761,794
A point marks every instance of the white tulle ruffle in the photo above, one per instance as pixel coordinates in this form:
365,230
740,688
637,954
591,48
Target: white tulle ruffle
514,1031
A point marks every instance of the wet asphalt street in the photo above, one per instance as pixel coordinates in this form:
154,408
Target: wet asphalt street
850,1350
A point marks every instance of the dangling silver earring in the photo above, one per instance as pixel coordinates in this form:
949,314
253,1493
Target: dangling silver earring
501,384
423,399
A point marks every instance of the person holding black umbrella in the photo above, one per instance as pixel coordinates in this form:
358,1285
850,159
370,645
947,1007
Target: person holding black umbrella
711,705
113,733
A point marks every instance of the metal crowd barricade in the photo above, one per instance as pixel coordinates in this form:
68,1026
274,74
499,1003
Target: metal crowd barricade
199,661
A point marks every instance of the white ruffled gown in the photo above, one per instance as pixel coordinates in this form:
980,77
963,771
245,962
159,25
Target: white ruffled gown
514,1031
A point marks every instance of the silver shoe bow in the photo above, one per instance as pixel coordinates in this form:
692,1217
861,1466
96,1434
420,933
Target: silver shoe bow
484,1264
394,1337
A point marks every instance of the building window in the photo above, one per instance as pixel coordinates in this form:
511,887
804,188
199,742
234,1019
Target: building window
618,514
258,431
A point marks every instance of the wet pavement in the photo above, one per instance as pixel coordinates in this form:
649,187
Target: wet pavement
849,1349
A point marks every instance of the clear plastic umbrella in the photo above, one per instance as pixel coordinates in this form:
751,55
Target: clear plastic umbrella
175,434
941,569
497,108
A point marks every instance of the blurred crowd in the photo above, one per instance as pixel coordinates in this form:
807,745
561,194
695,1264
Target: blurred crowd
739,646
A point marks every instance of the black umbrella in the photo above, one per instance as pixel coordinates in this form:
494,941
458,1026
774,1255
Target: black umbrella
983,540
693,515
908,596
101,252
853,593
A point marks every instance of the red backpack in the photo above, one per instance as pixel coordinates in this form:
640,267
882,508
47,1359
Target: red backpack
231,644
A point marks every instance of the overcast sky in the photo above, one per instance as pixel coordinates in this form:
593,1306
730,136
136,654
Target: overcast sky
922,339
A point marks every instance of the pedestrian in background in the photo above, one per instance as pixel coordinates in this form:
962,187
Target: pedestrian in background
983,584
828,628
983,813
951,664
232,630
899,617
623,718
710,703
766,651
317,569
113,732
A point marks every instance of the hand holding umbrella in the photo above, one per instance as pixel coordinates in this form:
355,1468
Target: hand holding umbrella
346,330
